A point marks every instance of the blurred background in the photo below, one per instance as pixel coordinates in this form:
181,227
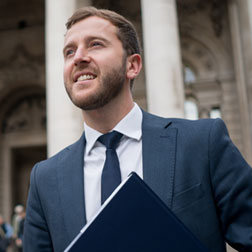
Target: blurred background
197,64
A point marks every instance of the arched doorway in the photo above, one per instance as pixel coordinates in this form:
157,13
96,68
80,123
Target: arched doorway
23,143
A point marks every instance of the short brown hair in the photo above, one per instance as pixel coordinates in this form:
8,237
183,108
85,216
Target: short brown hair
126,32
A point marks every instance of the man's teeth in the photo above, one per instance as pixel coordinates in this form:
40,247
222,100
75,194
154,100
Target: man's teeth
85,77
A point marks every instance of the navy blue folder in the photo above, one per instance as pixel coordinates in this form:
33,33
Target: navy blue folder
135,219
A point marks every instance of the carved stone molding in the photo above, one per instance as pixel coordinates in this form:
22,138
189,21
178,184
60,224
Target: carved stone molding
26,114
130,8
192,6
21,67
216,15
198,57
215,9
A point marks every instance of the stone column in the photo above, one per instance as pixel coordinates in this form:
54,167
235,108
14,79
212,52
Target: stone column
64,121
163,68
245,17
239,55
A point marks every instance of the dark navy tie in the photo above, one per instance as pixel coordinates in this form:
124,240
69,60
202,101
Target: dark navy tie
111,175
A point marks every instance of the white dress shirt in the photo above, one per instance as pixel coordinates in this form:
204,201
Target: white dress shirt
129,153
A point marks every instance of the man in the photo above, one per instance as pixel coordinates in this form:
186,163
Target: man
192,165
18,209
18,226
20,233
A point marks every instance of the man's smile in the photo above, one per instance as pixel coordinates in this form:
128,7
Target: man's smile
86,77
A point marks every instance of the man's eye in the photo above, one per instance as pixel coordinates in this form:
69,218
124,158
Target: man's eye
69,52
96,43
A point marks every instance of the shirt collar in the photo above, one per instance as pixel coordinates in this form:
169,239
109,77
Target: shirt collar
130,126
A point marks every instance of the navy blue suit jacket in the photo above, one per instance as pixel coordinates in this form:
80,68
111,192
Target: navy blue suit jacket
192,165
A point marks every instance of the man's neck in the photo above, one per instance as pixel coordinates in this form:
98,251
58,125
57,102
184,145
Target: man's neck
106,118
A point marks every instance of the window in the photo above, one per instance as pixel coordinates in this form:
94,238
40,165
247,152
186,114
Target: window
215,112
189,76
191,109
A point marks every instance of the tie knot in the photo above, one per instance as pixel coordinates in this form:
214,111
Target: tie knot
111,139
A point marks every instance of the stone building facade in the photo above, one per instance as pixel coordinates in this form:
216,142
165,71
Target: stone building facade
197,59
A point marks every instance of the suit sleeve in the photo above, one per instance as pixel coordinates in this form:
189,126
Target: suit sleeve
232,187
36,234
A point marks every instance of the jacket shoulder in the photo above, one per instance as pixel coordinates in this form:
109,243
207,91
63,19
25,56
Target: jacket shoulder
182,124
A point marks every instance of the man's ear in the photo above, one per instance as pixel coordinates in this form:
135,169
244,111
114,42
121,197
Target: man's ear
134,66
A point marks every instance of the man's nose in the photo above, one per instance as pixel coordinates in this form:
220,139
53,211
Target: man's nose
81,56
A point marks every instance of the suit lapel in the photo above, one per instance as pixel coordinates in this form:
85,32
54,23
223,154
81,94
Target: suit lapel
71,187
159,151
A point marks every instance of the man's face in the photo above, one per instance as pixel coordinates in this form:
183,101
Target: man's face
94,63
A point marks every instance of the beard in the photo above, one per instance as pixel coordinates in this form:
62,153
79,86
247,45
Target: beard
110,85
